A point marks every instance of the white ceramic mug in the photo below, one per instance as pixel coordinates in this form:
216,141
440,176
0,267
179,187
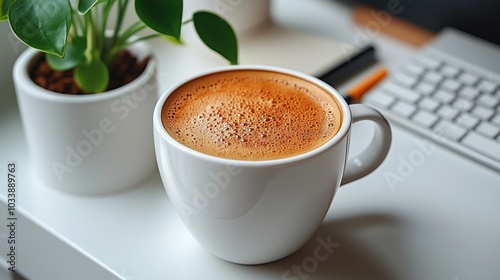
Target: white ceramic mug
253,212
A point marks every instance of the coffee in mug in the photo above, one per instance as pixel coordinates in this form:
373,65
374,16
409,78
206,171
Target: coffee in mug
251,115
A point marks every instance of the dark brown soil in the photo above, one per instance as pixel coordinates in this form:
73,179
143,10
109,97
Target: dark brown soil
125,69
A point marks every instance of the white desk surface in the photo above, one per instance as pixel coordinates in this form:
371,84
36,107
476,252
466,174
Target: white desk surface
418,228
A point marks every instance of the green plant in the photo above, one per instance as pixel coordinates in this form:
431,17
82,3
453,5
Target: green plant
74,37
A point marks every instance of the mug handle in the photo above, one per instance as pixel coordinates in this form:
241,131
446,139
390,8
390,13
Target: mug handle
375,153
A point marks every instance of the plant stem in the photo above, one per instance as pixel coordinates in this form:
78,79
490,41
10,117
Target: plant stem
77,23
122,40
147,37
122,9
90,36
105,14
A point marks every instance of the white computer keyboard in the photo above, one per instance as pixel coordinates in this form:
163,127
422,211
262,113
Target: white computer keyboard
446,103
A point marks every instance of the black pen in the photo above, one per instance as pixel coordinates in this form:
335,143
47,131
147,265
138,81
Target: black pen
352,65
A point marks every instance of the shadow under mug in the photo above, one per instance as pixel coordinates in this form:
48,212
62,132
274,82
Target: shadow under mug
254,212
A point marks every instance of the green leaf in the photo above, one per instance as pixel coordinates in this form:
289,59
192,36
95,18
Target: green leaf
92,77
42,25
85,5
74,55
4,8
217,34
163,16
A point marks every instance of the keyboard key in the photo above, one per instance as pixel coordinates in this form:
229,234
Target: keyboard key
482,112
449,71
487,86
404,79
401,92
496,120
403,109
468,79
425,88
466,120
462,104
487,100
444,96
468,92
432,77
483,145
450,85
380,98
449,130
414,69
487,129
424,119
428,104
447,112
428,62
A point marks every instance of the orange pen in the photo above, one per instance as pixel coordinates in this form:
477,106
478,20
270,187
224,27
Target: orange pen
355,93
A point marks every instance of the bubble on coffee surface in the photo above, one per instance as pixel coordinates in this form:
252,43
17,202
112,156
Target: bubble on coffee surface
250,117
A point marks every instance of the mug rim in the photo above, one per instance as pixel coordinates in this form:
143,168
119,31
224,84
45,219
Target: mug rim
341,133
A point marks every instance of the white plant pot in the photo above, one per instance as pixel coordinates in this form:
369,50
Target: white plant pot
89,144
243,15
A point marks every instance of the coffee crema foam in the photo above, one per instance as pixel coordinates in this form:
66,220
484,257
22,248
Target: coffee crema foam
251,115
